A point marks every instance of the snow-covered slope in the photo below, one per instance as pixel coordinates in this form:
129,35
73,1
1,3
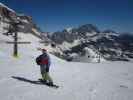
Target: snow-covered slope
77,81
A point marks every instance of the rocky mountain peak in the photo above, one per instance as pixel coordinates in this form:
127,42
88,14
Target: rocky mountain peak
24,23
88,28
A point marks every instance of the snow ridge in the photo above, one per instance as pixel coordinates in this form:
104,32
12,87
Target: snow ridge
2,5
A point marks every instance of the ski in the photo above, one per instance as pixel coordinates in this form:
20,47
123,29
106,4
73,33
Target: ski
48,84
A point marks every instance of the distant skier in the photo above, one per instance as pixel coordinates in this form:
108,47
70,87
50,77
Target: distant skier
44,61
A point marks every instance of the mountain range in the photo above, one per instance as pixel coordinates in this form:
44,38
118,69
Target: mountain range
86,43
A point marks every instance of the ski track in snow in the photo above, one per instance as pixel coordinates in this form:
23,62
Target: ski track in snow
77,81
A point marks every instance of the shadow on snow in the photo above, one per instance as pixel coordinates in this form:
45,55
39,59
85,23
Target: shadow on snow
34,82
26,80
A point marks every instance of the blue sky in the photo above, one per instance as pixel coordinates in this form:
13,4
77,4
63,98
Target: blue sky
54,15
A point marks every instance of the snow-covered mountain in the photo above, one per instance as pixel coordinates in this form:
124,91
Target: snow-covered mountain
11,21
77,43
71,34
9,18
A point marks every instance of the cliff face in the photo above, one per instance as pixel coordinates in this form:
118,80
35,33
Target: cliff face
24,23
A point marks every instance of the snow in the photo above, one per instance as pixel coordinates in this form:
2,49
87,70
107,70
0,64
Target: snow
6,7
93,56
25,21
108,35
88,34
69,29
2,26
90,56
35,31
77,81
66,45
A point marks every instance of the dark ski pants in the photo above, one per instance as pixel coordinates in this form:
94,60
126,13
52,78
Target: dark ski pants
45,74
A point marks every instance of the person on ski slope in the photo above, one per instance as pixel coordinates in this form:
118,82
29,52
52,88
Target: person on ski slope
44,63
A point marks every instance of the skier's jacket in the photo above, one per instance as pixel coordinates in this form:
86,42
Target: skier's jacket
43,59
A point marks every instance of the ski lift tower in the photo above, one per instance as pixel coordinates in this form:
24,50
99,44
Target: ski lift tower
13,31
